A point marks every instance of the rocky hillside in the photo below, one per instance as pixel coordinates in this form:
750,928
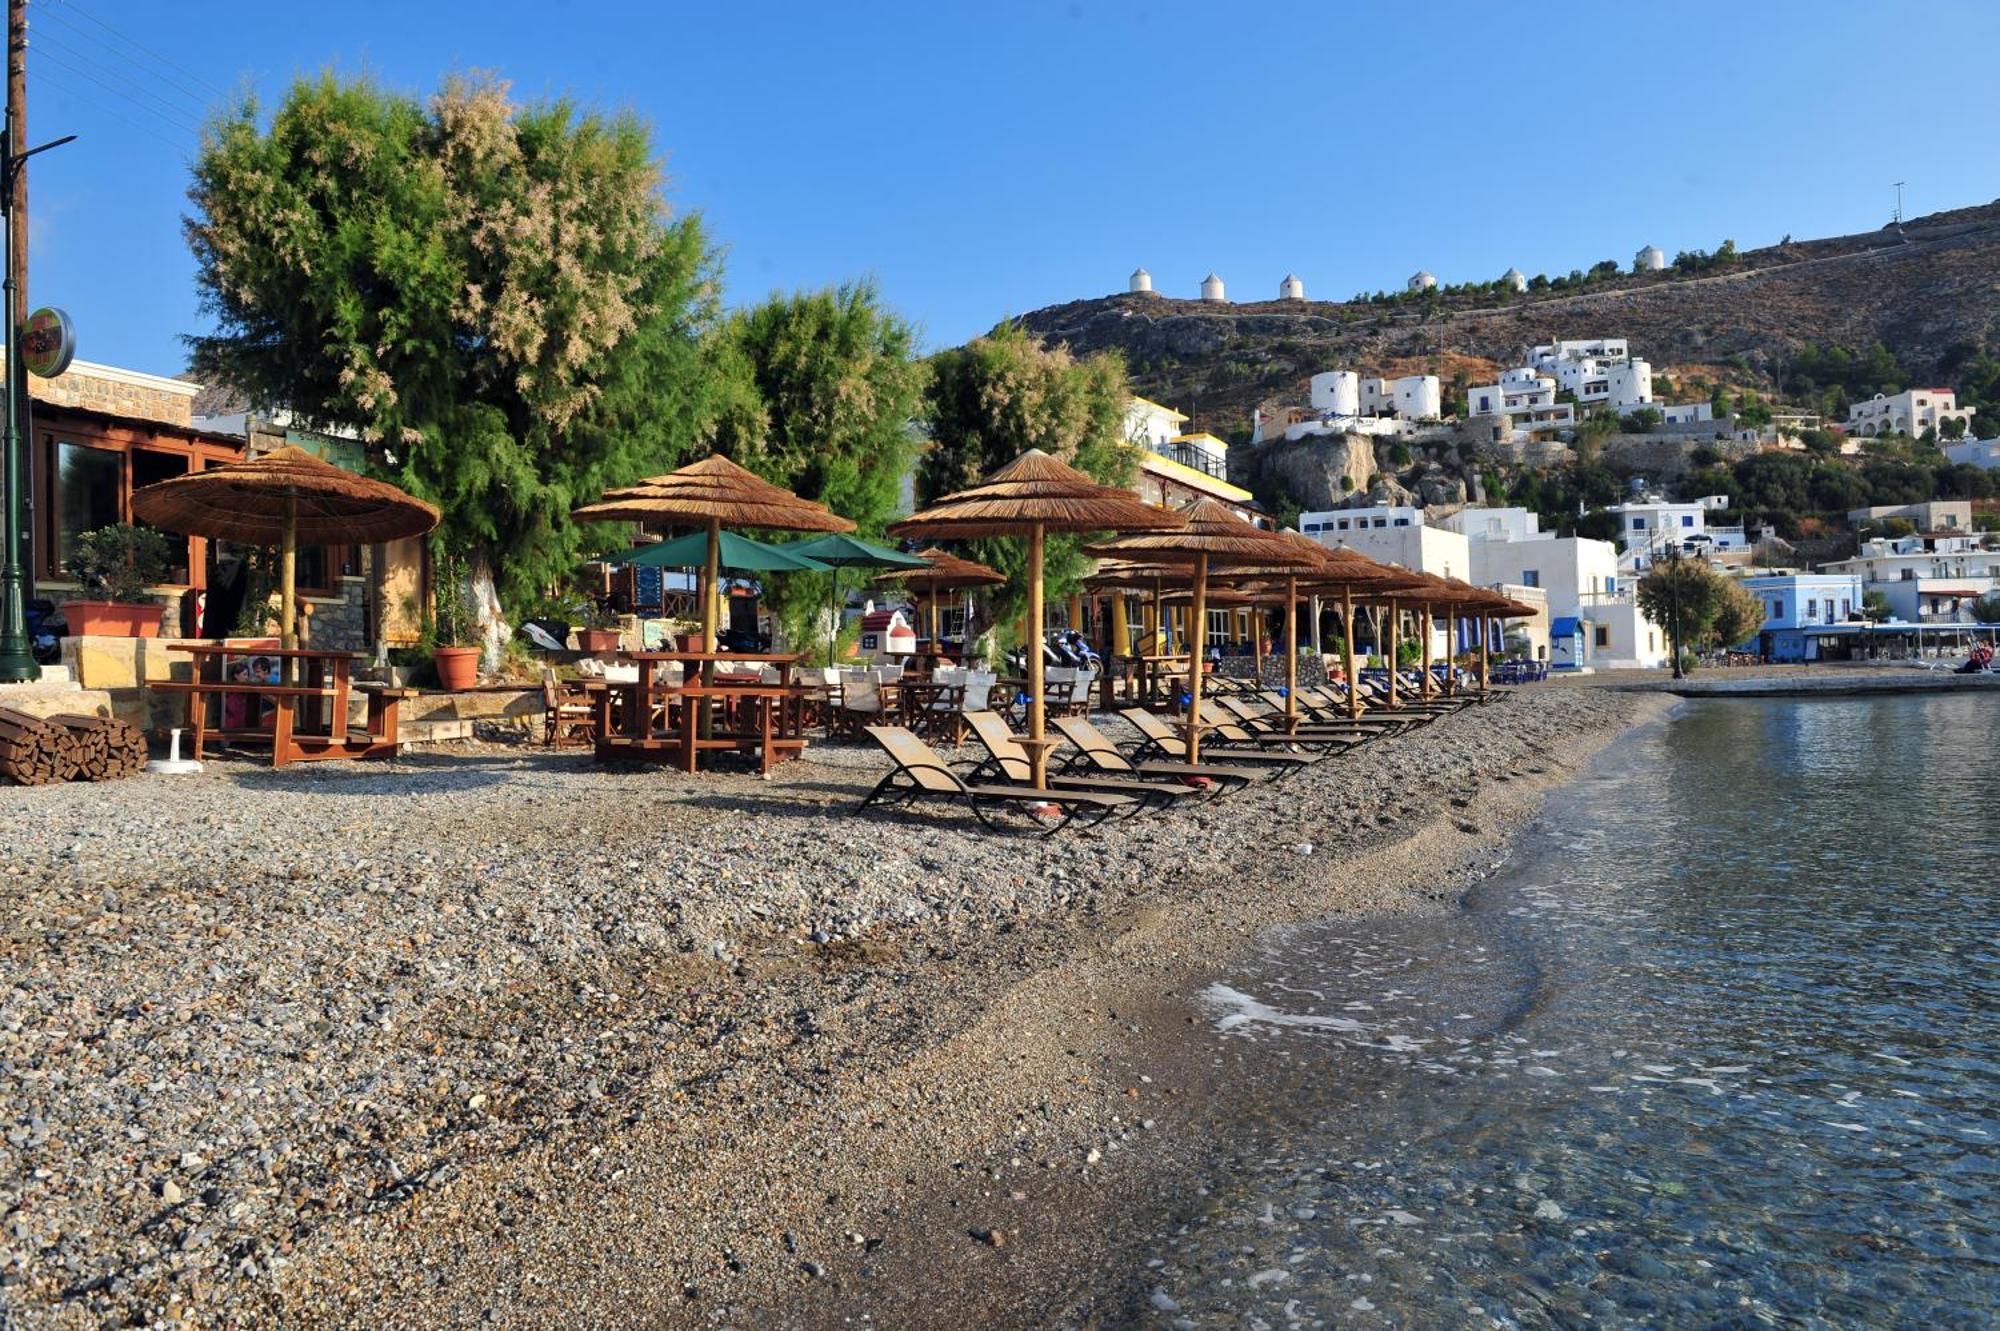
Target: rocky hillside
1921,290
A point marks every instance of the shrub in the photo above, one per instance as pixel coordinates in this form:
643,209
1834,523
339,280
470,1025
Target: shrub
119,563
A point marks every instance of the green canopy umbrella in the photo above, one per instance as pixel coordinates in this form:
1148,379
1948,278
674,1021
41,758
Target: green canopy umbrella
738,554
843,551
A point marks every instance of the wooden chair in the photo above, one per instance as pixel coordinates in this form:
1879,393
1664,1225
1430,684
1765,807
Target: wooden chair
920,774
1162,740
1007,759
1095,749
569,716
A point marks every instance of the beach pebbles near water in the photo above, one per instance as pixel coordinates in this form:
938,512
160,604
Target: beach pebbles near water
249,1015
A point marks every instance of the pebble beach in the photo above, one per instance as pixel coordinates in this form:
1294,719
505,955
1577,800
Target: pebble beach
501,1037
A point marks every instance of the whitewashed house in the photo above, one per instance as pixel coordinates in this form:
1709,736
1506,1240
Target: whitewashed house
1910,412
1975,452
1395,533
1647,526
1929,577
1600,626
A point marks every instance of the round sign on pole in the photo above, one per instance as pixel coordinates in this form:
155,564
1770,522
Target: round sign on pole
48,342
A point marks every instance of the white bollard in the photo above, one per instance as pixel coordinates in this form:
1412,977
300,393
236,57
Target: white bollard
174,764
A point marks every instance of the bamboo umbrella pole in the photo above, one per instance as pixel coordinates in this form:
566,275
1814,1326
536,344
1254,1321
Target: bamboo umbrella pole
1485,637
1347,630
1257,637
1121,631
1197,652
1388,648
1291,652
1424,620
1315,624
288,575
1038,757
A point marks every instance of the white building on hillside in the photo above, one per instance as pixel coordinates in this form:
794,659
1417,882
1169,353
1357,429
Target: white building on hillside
1140,283
1647,526
1526,397
1931,577
1212,289
1423,280
1975,452
1598,371
1649,260
1152,425
1395,533
1600,627
1910,412
1291,288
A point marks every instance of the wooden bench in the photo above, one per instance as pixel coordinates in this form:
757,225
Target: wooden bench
376,739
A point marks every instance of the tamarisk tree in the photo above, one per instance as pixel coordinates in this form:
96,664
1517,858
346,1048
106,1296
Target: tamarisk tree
999,395
494,296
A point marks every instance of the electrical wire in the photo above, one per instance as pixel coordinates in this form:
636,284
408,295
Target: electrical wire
134,43
115,90
60,50
167,94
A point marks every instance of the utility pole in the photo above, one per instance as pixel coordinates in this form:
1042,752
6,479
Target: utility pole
17,659
17,265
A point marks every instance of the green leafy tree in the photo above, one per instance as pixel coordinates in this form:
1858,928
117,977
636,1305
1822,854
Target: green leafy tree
1874,606
493,295
828,388
1705,603
999,395
1987,608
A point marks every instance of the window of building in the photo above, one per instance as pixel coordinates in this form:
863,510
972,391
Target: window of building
1531,577
1342,524
1402,522
1846,607
1381,522
1778,608
148,467
1812,607
1638,524
1603,638
1687,519
88,485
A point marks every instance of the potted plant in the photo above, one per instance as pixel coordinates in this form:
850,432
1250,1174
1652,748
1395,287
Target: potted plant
114,566
599,630
452,652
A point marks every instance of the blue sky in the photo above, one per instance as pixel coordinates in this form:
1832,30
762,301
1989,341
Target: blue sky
983,159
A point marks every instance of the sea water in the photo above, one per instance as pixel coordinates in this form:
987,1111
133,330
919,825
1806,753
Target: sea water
1719,1046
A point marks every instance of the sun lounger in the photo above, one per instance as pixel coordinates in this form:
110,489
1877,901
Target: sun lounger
1257,719
1163,740
1094,748
1010,761
920,774
1271,705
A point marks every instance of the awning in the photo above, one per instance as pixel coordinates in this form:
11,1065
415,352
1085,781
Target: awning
1569,626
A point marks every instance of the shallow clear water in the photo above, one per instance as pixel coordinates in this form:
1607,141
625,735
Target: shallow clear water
1720,1046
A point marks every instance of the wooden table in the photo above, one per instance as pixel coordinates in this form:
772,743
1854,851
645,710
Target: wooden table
768,719
309,718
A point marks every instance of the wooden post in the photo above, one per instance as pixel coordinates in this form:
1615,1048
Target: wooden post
1257,639
1121,630
1315,623
1038,757
1353,674
288,576
937,643
1424,621
1197,652
1075,612
1291,651
1485,641
1107,654
1388,648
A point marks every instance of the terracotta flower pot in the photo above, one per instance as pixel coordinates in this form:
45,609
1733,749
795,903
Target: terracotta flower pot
457,667
597,640
112,619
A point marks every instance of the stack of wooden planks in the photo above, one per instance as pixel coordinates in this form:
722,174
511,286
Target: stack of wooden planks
37,751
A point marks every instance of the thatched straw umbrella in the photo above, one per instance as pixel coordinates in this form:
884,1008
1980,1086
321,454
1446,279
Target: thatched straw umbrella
1214,536
943,572
1034,495
1351,573
714,493
281,499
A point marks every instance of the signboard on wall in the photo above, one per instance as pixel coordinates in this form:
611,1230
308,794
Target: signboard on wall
48,342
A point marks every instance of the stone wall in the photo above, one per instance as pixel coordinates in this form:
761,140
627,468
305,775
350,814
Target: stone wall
339,624
115,394
1312,669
